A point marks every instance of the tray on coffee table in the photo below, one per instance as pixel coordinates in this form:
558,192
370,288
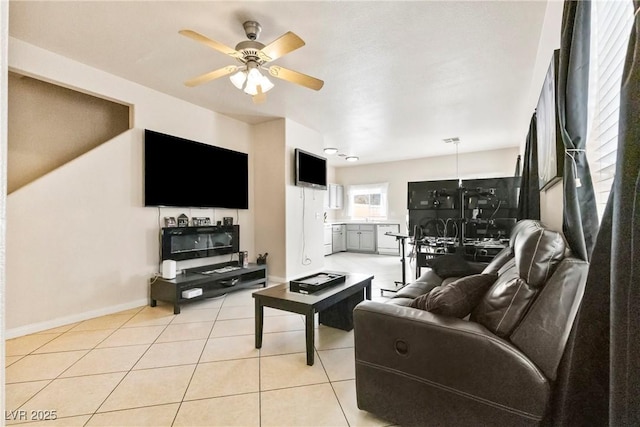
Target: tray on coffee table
315,282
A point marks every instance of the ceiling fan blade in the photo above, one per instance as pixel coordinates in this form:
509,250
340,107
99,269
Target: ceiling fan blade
211,43
286,43
260,97
221,72
295,77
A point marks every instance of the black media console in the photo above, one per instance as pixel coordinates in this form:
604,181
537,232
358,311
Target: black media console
214,280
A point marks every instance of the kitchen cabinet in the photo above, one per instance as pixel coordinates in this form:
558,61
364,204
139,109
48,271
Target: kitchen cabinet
328,239
339,238
361,237
335,196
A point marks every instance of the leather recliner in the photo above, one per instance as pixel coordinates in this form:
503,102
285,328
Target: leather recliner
414,367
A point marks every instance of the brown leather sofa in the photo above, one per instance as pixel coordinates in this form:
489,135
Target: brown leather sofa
497,367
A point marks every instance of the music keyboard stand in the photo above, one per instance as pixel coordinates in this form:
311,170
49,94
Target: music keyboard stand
398,285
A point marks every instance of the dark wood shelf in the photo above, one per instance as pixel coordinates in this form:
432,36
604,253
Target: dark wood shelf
170,290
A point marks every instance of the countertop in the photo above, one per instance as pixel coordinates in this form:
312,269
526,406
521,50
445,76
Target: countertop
345,222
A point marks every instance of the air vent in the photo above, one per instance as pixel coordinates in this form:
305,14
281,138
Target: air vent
454,140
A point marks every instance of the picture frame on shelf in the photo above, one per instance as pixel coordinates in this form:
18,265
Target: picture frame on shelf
183,221
170,221
198,221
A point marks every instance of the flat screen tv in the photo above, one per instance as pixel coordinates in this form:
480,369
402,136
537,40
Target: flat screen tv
311,170
183,173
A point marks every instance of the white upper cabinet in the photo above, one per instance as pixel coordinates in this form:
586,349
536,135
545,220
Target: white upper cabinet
335,196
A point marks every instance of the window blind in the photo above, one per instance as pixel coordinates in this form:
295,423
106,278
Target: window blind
611,25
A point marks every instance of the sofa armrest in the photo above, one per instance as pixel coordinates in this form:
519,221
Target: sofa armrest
459,358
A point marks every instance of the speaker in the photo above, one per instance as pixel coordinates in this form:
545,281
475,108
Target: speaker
168,269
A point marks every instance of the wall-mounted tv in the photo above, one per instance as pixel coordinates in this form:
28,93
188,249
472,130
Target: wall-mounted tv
183,173
310,170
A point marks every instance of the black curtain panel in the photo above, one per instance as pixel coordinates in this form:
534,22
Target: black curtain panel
529,200
581,391
580,219
625,246
599,378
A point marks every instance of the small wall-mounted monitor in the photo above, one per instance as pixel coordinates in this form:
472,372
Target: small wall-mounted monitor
310,170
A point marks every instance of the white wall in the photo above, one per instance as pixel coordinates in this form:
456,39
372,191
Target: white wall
79,241
485,164
552,199
305,207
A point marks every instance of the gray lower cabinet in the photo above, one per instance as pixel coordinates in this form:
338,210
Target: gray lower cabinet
361,237
339,238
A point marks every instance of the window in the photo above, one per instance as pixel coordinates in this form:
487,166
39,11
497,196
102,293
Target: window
367,201
610,28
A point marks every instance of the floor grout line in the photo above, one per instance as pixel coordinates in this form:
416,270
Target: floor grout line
383,270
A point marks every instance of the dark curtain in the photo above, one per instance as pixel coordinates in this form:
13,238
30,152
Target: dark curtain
599,378
580,220
529,201
581,391
625,247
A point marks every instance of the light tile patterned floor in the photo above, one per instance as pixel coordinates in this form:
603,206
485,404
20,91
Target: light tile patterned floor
148,367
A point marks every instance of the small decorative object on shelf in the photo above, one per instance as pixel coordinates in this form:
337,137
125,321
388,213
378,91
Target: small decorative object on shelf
243,259
183,220
170,221
197,221
262,259
227,220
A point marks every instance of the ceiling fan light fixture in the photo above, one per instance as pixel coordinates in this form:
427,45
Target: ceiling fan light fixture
238,79
330,151
255,79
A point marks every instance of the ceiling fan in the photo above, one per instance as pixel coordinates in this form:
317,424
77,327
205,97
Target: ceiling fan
254,56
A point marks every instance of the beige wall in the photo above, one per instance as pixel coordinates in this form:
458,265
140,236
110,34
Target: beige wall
79,241
270,201
486,164
288,219
38,143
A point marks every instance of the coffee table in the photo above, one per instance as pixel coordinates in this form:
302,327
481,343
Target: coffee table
335,305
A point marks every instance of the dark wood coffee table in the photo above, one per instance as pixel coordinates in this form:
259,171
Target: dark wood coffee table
335,305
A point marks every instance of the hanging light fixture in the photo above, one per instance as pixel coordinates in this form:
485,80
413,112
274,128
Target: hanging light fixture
250,80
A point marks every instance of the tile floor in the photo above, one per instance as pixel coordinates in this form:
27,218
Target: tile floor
147,367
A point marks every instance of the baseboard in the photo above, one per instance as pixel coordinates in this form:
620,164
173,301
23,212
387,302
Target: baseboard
275,280
61,321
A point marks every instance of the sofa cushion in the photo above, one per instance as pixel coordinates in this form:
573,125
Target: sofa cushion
537,252
457,298
499,260
453,265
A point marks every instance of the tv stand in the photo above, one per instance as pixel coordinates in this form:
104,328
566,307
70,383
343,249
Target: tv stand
212,283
